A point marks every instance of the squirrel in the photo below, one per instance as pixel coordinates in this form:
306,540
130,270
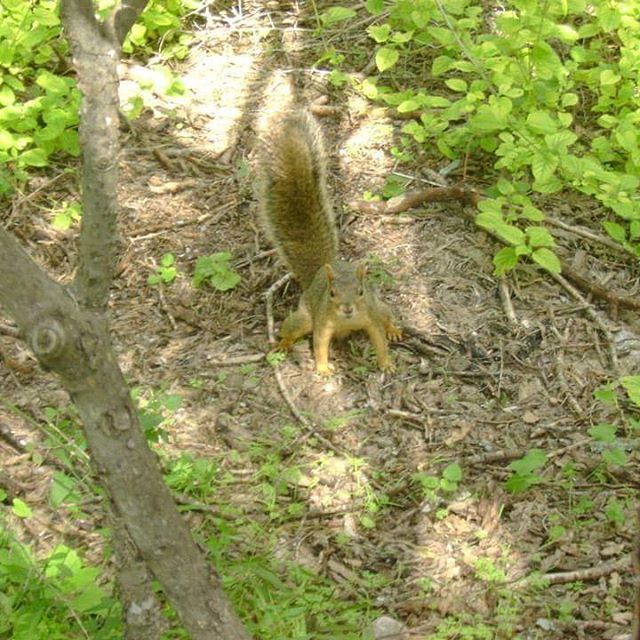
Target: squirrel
297,216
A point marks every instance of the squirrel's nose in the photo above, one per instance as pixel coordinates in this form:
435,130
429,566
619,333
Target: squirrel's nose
347,310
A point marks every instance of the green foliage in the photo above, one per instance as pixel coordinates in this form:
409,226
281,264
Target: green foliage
53,599
39,100
155,412
447,483
546,92
67,215
161,22
166,273
216,271
335,15
524,470
38,109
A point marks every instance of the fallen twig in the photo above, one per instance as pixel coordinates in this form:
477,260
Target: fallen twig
411,199
580,575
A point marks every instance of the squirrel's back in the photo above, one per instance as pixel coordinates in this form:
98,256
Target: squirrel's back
295,210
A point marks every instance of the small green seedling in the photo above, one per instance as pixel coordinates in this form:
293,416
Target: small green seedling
524,475
216,271
166,273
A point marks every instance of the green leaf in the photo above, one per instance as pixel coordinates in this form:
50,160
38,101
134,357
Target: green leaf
532,213
63,489
21,509
540,237
457,84
532,460
33,158
505,187
606,395
53,84
216,270
615,456
441,65
453,473
547,260
374,7
90,599
603,432
493,117
408,106
541,122
543,165
616,231
631,385
504,261
7,96
167,259
509,233
608,78
489,219
380,33
561,141
569,99
335,15
386,58
519,483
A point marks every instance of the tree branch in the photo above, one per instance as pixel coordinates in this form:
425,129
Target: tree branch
74,343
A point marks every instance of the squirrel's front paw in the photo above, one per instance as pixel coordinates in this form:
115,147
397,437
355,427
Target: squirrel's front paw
324,369
393,333
387,366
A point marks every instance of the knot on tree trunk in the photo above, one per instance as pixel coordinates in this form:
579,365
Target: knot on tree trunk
47,339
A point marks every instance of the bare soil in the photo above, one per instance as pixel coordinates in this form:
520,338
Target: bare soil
472,385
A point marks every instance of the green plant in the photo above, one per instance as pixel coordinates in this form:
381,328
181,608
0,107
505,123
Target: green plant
53,599
155,411
216,271
165,273
604,435
39,100
431,485
524,470
67,215
162,22
544,93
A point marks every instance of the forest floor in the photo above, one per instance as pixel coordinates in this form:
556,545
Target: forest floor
367,492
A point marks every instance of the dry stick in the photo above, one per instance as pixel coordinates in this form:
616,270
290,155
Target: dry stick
303,420
235,360
590,235
599,291
507,305
590,573
560,369
593,314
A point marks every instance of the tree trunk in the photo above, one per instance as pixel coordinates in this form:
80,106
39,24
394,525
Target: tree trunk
68,332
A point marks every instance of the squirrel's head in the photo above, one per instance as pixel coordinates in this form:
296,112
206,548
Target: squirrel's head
346,284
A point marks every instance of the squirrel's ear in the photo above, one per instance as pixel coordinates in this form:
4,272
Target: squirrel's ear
330,275
361,270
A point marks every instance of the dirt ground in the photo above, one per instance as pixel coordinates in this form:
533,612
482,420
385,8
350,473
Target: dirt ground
474,383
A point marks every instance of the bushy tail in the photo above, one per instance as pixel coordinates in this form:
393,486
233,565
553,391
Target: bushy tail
295,210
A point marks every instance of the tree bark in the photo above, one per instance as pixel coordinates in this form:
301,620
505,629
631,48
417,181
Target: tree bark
69,334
